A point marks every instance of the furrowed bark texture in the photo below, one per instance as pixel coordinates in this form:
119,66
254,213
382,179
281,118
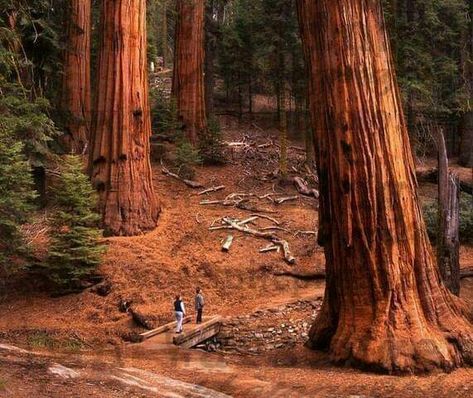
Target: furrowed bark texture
188,78
385,307
120,153
76,78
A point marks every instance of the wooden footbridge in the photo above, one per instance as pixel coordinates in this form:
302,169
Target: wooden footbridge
192,335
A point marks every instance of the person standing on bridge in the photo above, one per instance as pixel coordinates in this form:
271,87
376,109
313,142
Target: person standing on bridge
180,311
199,304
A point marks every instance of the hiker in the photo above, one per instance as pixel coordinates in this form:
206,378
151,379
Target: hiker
199,304
180,312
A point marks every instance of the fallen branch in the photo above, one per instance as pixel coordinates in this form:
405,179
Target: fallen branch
190,183
275,240
285,199
303,188
271,247
213,189
285,248
267,218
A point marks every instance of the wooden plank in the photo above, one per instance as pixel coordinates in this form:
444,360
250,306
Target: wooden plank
163,329
203,332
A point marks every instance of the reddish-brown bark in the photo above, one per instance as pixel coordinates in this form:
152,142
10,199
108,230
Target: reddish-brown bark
385,306
188,79
119,150
75,100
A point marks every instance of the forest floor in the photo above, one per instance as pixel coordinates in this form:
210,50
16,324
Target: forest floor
86,331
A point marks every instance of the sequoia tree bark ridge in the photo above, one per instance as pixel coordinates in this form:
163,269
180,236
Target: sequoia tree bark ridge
119,160
75,100
188,78
385,306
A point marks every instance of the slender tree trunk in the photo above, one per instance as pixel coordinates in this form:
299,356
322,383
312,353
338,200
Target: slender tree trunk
188,80
210,47
164,34
466,145
385,306
119,151
75,100
448,241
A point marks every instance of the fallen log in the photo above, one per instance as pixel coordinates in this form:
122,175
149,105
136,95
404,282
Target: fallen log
431,175
189,183
227,243
302,276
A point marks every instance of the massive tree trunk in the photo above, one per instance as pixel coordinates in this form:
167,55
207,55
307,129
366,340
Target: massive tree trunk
188,78
385,306
119,154
75,101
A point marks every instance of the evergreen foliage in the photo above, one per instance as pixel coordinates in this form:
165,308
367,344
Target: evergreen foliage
75,250
16,194
211,148
187,157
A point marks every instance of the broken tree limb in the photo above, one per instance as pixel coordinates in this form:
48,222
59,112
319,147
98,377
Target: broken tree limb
266,217
190,183
248,220
285,199
213,189
227,243
285,248
271,247
303,188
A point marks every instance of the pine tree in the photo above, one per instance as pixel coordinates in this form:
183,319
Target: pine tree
75,250
16,193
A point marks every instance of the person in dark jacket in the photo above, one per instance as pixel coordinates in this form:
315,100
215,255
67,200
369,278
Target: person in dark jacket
199,304
180,312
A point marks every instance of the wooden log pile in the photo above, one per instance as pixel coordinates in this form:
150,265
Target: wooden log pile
277,243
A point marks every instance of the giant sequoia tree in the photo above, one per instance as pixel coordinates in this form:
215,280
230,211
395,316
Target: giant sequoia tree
385,306
76,78
188,79
119,154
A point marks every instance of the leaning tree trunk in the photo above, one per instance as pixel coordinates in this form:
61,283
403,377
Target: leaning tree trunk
119,154
385,306
75,101
448,240
188,79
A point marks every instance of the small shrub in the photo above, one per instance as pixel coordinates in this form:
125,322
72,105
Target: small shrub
187,157
164,117
430,211
74,251
211,148
41,339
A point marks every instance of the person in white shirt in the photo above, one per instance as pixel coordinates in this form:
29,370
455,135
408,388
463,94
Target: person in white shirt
180,311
